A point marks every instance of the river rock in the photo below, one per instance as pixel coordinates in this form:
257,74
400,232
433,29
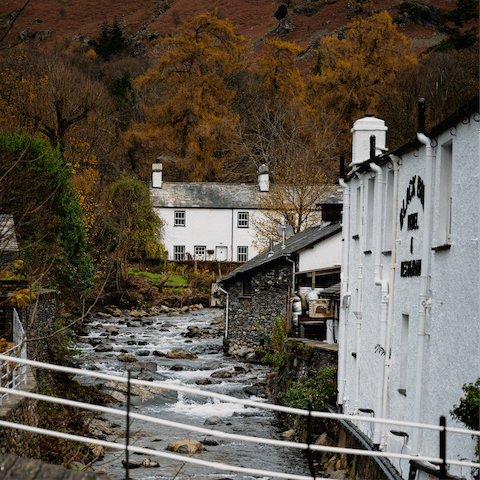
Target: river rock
157,353
322,439
176,368
289,434
213,421
103,315
254,390
143,353
149,463
192,332
146,366
223,374
204,381
94,341
209,443
131,342
189,447
126,358
131,464
113,330
181,354
104,348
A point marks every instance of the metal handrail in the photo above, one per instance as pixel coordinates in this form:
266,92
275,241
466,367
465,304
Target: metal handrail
14,374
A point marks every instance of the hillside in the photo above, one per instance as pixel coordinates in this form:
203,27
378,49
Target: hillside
44,22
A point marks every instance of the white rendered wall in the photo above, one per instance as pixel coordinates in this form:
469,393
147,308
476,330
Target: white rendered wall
207,227
452,323
327,253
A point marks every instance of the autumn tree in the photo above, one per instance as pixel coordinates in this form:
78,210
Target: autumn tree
293,199
188,109
355,66
277,71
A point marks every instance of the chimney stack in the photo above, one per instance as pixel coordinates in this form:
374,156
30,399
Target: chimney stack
157,172
263,178
362,130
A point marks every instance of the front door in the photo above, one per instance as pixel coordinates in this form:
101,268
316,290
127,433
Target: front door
221,253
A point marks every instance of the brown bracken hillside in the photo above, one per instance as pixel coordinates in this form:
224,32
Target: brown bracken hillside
307,20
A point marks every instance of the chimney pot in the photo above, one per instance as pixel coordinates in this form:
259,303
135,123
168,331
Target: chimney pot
263,178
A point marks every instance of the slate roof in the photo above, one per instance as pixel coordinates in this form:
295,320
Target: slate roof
207,195
293,245
214,195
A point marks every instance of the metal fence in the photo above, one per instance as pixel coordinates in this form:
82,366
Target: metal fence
14,374
441,429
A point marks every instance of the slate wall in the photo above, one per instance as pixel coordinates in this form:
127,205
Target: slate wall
269,293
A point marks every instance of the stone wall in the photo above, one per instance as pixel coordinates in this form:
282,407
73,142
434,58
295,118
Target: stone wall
269,294
303,356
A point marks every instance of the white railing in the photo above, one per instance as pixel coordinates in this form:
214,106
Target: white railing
225,398
14,374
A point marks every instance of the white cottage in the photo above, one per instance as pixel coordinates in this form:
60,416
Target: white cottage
409,320
208,221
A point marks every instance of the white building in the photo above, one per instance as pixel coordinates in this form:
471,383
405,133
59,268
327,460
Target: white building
208,221
409,321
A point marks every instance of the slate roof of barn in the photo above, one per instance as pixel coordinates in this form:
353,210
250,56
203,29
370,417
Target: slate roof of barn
293,245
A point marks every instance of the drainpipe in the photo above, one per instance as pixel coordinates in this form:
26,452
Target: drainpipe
290,327
358,311
345,299
385,297
231,240
226,310
425,302
393,260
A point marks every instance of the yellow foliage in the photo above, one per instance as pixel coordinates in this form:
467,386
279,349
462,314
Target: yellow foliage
188,113
355,67
278,71
21,297
91,53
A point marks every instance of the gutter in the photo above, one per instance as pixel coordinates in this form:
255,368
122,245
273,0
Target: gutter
384,464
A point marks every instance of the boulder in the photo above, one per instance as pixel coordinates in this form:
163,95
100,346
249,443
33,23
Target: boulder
104,348
131,464
126,358
209,443
223,374
157,353
213,421
181,354
149,463
143,353
186,446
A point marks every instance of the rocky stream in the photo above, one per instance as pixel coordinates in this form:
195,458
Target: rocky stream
180,348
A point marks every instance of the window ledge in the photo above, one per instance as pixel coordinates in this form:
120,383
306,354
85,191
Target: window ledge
439,248
367,252
387,252
402,391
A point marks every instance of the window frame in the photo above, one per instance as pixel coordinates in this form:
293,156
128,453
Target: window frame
243,220
241,254
176,252
200,256
179,218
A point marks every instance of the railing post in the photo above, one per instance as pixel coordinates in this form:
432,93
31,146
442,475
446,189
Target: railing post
443,449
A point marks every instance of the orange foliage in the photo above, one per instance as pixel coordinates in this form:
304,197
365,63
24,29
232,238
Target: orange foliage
188,112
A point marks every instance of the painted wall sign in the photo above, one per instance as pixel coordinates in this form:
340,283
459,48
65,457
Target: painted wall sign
411,268
415,189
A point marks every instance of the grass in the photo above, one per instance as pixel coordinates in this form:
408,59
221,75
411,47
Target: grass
174,281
